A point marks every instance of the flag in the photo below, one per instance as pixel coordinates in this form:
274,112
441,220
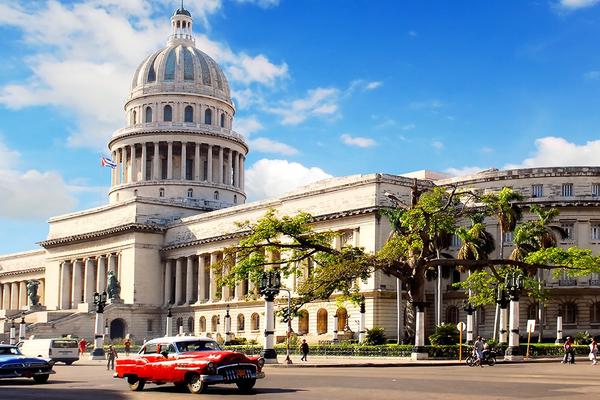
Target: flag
107,162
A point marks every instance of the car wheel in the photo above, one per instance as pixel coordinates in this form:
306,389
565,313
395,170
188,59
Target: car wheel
195,385
135,384
41,378
246,385
68,362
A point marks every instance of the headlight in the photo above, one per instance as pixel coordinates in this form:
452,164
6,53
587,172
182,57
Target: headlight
210,367
260,362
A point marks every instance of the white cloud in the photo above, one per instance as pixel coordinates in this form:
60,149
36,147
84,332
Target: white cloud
577,4
270,178
591,75
433,104
265,145
357,141
464,171
247,126
363,85
408,127
318,102
436,144
260,3
554,151
83,56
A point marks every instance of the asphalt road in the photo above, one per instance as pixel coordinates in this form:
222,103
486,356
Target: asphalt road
88,381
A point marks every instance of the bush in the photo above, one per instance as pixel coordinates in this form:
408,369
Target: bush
445,334
582,338
375,336
237,341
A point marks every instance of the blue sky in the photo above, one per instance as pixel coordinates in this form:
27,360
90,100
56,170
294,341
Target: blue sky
323,88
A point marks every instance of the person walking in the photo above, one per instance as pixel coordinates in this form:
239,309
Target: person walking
593,351
304,349
82,346
569,351
478,351
127,345
111,354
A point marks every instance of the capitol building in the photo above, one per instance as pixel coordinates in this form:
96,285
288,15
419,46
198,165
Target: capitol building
177,192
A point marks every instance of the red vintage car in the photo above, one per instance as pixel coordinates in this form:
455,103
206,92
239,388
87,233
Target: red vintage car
192,362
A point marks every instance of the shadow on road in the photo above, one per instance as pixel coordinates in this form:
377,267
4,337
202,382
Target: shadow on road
30,392
30,382
225,391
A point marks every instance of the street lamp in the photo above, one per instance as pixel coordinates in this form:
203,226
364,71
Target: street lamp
100,303
270,285
227,325
288,318
169,324
514,285
13,333
22,327
361,330
503,301
469,309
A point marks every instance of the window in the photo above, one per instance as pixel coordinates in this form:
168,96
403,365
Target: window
240,322
134,117
150,325
537,190
190,193
202,324
568,227
532,311
342,315
188,65
151,348
567,190
303,322
452,315
222,120
170,66
455,241
595,232
208,117
168,113
595,312
214,323
189,114
161,192
508,238
135,193
322,321
481,316
148,114
596,189
216,195
235,199
569,313
255,319
190,325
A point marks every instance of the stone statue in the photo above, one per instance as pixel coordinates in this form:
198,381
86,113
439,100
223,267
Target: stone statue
113,287
32,292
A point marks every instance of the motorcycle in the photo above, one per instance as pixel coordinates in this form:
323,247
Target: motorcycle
489,358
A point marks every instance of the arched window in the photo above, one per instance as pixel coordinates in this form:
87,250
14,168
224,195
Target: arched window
168,113
202,324
208,117
189,114
179,323
190,325
148,114
532,311
134,117
240,323
135,193
161,192
216,195
303,322
452,315
569,313
190,193
170,66
235,199
255,322
595,312
214,323
188,65
342,319
321,321
222,120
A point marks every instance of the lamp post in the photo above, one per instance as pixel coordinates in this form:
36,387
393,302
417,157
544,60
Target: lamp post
362,331
13,333
288,318
100,303
469,309
169,324
22,327
419,352
270,285
335,328
502,302
559,328
514,286
227,325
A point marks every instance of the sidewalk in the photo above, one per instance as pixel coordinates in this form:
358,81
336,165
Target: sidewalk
357,362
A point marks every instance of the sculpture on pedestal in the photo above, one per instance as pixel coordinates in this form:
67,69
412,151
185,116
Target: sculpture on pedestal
113,287
32,292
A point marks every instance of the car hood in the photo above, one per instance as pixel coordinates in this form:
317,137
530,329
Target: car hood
5,359
217,357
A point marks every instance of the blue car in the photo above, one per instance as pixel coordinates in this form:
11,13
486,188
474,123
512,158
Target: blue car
13,364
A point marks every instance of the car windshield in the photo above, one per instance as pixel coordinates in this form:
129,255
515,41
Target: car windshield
6,351
197,345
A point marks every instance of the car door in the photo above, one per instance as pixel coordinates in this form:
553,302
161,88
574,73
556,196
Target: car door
146,360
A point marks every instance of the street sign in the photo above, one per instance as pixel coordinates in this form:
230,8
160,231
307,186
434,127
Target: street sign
531,325
461,326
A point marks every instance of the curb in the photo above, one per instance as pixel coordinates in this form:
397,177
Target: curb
402,364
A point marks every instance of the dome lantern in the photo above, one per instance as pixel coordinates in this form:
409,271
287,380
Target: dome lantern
181,27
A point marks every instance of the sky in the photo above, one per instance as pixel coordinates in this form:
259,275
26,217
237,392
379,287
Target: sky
322,88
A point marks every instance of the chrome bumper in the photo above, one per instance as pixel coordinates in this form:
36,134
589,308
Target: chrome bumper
221,379
23,374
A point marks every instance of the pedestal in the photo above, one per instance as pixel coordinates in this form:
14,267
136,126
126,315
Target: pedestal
98,352
115,301
419,352
269,353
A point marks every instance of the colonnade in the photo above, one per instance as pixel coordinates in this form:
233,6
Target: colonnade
192,279
163,160
80,278
13,295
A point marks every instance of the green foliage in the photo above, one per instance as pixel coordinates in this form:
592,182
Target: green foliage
582,338
576,262
502,206
375,336
445,334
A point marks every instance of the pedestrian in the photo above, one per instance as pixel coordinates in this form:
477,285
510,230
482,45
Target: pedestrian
304,349
82,346
478,351
127,345
111,354
593,351
569,351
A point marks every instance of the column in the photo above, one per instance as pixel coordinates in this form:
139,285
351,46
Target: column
168,279
119,168
113,171
236,174
419,352
220,177
183,160
197,163
132,171
22,294
225,290
189,281
513,352
89,284
65,285
201,278
144,161
14,296
112,264
6,296
170,160
155,162
229,174
101,277
559,330
242,172
268,352
503,324
209,163
77,283
212,278
178,281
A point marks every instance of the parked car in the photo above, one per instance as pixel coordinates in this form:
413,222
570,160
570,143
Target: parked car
192,362
58,350
13,364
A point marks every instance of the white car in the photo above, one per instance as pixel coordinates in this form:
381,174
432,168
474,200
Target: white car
58,350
